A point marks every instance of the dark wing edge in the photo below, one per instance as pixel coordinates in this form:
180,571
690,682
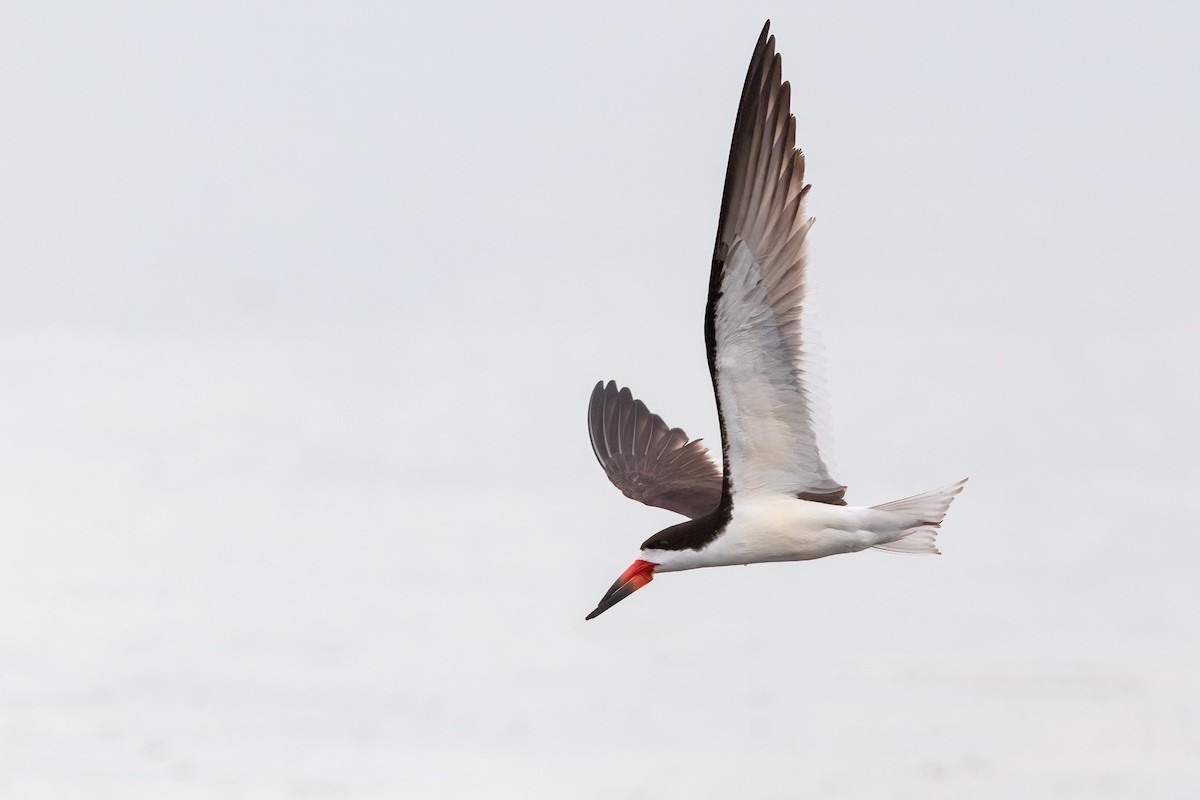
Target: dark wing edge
648,460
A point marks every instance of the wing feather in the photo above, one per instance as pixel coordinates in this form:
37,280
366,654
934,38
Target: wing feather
648,460
761,370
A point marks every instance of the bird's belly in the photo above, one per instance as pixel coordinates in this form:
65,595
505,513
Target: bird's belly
791,530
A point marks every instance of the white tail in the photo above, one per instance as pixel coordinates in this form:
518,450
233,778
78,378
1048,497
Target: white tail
919,518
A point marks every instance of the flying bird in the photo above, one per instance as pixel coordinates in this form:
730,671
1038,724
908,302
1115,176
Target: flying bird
774,499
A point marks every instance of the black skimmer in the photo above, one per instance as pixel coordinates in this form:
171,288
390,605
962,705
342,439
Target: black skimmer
774,500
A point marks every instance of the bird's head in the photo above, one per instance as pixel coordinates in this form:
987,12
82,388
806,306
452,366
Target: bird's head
675,548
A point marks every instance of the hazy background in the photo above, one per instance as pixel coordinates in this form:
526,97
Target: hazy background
300,306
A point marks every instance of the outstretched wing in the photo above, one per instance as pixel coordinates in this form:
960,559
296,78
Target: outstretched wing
756,343
648,460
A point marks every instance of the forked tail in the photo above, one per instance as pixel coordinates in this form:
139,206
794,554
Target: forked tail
919,518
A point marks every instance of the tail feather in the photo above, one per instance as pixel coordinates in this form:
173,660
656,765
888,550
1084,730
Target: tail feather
920,518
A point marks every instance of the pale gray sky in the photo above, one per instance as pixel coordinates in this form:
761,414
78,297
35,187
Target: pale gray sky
300,306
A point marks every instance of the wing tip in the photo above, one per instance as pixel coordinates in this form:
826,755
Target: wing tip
762,36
